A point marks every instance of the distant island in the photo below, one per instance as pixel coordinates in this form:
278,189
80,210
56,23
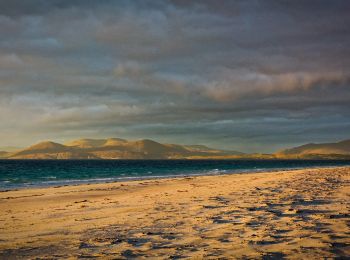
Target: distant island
117,148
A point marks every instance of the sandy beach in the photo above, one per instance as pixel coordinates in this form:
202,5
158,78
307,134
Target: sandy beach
296,214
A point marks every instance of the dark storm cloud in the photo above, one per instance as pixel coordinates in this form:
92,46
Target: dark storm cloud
248,75
39,7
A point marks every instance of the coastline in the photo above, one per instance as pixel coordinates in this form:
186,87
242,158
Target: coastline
53,181
298,213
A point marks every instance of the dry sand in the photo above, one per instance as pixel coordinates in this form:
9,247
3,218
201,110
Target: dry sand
296,214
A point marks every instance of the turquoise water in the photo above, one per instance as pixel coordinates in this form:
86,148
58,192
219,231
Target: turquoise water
16,174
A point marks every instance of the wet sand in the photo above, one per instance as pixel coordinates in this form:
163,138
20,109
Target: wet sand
295,214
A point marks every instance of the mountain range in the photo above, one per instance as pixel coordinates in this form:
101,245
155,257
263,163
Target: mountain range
324,150
117,148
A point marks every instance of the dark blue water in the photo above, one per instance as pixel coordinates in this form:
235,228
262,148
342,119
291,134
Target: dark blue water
33,173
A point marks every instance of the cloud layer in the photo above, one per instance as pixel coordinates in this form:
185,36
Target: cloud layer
246,75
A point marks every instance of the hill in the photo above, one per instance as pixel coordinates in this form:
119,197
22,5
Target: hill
49,150
3,154
115,148
322,150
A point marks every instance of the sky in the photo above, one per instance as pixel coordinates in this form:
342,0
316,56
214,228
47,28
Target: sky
253,76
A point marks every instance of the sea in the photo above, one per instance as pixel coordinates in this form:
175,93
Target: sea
19,174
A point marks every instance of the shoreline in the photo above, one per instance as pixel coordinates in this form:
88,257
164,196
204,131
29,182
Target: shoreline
78,182
291,213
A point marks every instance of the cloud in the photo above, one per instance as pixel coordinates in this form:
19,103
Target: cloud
260,85
240,74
